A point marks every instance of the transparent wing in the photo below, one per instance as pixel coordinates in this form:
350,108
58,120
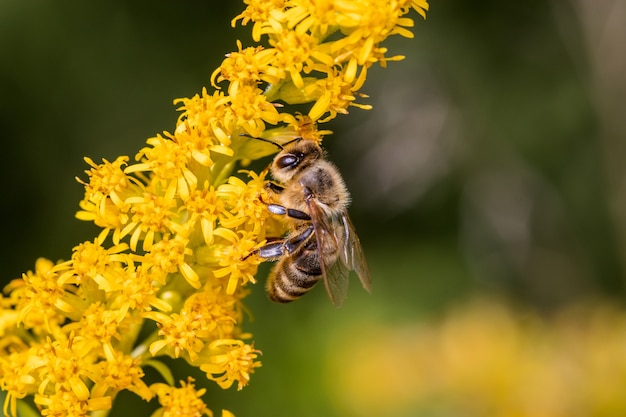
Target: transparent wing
328,243
337,274
339,251
354,256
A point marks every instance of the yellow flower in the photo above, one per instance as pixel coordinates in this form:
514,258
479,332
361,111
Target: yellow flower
120,372
260,12
89,260
295,52
249,110
17,382
201,125
216,312
231,361
248,66
152,213
203,206
367,24
183,401
41,301
168,161
133,288
66,404
230,257
244,207
180,333
338,93
168,256
64,364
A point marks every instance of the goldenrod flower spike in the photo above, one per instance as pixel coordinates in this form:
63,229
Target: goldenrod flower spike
178,223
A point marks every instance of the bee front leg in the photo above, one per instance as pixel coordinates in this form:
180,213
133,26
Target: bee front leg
282,210
274,188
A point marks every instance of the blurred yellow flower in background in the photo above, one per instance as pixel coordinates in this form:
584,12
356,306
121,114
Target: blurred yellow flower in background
485,358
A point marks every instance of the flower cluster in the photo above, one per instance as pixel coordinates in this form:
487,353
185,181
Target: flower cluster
168,272
319,51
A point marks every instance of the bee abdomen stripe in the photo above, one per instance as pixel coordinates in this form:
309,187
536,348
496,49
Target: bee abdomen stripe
309,265
300,277
285,288
309,273
283,291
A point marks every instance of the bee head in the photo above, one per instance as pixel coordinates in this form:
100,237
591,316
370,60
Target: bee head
294,158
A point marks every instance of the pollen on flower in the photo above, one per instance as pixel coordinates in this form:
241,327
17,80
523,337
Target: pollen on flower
64,403
41,297
202,122
293,51
168,256
260,12
234,267
245,67
136,289
180,333
168,161
250,109
105,192
106,179
216,312
89,260
119,372
64,365
244,207
183,401
306,128
339,94
98,323
204,207
231,361
151,213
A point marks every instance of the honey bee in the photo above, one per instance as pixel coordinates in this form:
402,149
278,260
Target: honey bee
321,243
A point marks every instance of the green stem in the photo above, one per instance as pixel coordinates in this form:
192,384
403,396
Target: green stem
272,92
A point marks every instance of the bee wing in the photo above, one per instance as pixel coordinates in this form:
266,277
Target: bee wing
338,232
352,254
335,273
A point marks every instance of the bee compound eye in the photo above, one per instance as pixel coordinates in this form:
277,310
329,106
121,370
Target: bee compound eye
288,160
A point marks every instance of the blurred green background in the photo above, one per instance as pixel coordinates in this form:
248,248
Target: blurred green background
491,168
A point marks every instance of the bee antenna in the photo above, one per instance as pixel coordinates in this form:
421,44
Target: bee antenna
278,145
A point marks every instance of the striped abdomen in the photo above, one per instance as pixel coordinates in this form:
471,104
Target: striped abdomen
295,275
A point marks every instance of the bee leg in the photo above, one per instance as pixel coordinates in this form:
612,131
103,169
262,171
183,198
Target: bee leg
281,210
293,213
270,251
278,248
292,244
273,187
